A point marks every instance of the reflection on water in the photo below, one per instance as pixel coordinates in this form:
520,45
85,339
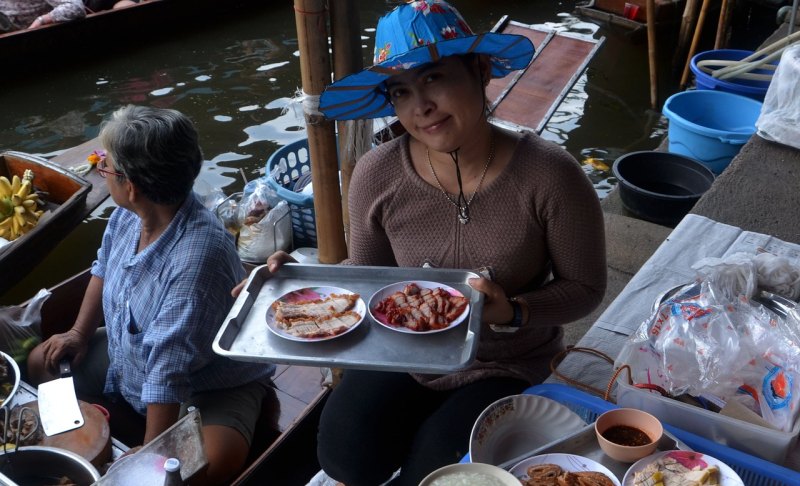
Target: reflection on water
238,83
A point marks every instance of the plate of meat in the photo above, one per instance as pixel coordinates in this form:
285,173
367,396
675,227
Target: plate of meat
419,307
556,469
315,313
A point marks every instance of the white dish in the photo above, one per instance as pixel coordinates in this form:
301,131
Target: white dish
467,469
690,459
311,293
567,462
515,425
381,294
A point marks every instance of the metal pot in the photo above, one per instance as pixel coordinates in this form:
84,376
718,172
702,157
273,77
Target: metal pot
13,371
38,465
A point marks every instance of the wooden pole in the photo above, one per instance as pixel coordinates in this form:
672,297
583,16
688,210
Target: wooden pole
651,51
315,71
346,39
695,40
722,26
687,23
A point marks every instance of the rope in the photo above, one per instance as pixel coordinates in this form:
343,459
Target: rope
605,394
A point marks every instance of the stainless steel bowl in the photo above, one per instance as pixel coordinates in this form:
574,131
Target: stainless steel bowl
776,303
13,369
37,465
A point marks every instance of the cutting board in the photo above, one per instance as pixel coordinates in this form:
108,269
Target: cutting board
92,440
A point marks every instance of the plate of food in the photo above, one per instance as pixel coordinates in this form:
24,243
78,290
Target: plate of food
556,469
419,307
681,467
314,314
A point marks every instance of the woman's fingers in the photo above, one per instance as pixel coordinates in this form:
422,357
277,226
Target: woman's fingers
277,259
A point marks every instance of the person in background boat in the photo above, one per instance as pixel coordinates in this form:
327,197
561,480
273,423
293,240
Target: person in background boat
456,191
161,284
24,14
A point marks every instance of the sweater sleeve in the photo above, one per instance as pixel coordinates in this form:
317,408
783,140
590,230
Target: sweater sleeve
570,212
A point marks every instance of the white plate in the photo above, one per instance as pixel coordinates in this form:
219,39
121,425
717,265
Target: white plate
310,293
518,424
568,462
468,468
690,459
381,294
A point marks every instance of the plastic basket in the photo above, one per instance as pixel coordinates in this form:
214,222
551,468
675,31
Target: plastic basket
753,470
294,161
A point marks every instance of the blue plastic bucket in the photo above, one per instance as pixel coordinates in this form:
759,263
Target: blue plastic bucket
745,87
710,126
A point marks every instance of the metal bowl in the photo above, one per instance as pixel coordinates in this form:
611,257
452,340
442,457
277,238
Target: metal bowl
46,465
13,371
776,303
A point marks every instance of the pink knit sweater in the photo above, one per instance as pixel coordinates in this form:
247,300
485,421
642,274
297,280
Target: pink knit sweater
539,216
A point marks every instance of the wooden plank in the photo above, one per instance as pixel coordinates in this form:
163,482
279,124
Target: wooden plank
300,382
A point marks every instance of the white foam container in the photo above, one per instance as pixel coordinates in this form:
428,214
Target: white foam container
770,444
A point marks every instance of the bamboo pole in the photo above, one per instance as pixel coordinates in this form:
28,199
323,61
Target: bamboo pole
722,26
346,39
695,40
651,52
687,23
315,71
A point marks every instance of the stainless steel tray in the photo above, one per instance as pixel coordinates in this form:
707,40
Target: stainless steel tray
244,335
584,443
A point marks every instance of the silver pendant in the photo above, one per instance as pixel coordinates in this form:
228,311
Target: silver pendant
463,214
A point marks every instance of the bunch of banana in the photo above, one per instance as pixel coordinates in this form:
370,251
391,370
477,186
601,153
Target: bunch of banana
19,206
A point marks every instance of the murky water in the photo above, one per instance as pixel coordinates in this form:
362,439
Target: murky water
236,80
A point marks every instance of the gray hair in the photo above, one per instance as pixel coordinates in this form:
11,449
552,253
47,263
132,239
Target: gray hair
157,150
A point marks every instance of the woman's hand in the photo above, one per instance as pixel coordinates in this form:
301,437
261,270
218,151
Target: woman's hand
274,262
496,308
71,344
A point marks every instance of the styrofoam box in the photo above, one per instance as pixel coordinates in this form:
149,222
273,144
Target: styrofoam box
769,444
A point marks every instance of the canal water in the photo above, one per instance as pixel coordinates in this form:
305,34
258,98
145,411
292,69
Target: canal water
237,80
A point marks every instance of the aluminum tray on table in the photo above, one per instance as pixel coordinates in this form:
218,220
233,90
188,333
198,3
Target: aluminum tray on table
584,443
244,334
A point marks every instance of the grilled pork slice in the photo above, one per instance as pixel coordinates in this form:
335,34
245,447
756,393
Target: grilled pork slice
313,309
328,326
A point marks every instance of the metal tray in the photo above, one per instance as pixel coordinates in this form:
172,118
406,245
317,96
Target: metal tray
244,335
584,443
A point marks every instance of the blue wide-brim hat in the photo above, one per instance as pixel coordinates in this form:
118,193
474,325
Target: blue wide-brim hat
408,37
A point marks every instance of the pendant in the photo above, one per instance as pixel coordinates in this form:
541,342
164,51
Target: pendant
463,214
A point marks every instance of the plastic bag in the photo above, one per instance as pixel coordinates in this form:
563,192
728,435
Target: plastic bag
703,343
265,223
210,197
780,114
20,327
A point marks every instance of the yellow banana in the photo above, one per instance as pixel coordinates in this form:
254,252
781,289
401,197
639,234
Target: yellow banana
24,189
29,203
14,226
5,187
6,223
16,200
15,183
3,233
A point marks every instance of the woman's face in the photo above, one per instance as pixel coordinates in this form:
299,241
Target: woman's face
440,104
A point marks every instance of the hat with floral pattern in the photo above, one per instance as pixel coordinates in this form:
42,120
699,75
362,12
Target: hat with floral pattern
411,35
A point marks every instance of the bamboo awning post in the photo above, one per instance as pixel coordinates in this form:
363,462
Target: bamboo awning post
685,35
346,40
651,51
695,40
721,40
315,71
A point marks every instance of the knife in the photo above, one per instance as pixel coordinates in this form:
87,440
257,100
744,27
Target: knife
59,410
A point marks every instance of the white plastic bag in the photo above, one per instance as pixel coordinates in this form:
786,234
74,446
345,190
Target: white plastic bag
20,327
259,240
780,113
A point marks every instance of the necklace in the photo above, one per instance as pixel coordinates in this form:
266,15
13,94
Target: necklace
462,203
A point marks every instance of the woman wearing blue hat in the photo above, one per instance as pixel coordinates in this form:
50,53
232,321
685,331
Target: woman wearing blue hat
457,192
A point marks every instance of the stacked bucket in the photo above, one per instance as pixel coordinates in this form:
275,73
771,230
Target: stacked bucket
711,123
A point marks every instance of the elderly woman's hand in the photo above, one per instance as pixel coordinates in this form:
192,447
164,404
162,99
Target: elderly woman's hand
274,262
71,344
496,308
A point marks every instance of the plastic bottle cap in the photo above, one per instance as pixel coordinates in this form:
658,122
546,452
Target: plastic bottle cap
172,464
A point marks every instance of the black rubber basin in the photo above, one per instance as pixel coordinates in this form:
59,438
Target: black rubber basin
660,187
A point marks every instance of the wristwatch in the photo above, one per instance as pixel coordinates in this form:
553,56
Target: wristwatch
515,323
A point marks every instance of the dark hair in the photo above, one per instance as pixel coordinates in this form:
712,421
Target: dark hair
157,150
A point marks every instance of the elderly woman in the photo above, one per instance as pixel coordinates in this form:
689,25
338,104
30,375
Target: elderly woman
23,14
455,191
161,284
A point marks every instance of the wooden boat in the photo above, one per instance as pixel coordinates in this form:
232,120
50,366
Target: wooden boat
631,17
100,33
64,195
289,414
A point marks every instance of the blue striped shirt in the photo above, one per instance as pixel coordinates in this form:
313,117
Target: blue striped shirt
164,305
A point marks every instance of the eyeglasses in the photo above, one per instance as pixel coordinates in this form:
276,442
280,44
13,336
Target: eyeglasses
103,170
